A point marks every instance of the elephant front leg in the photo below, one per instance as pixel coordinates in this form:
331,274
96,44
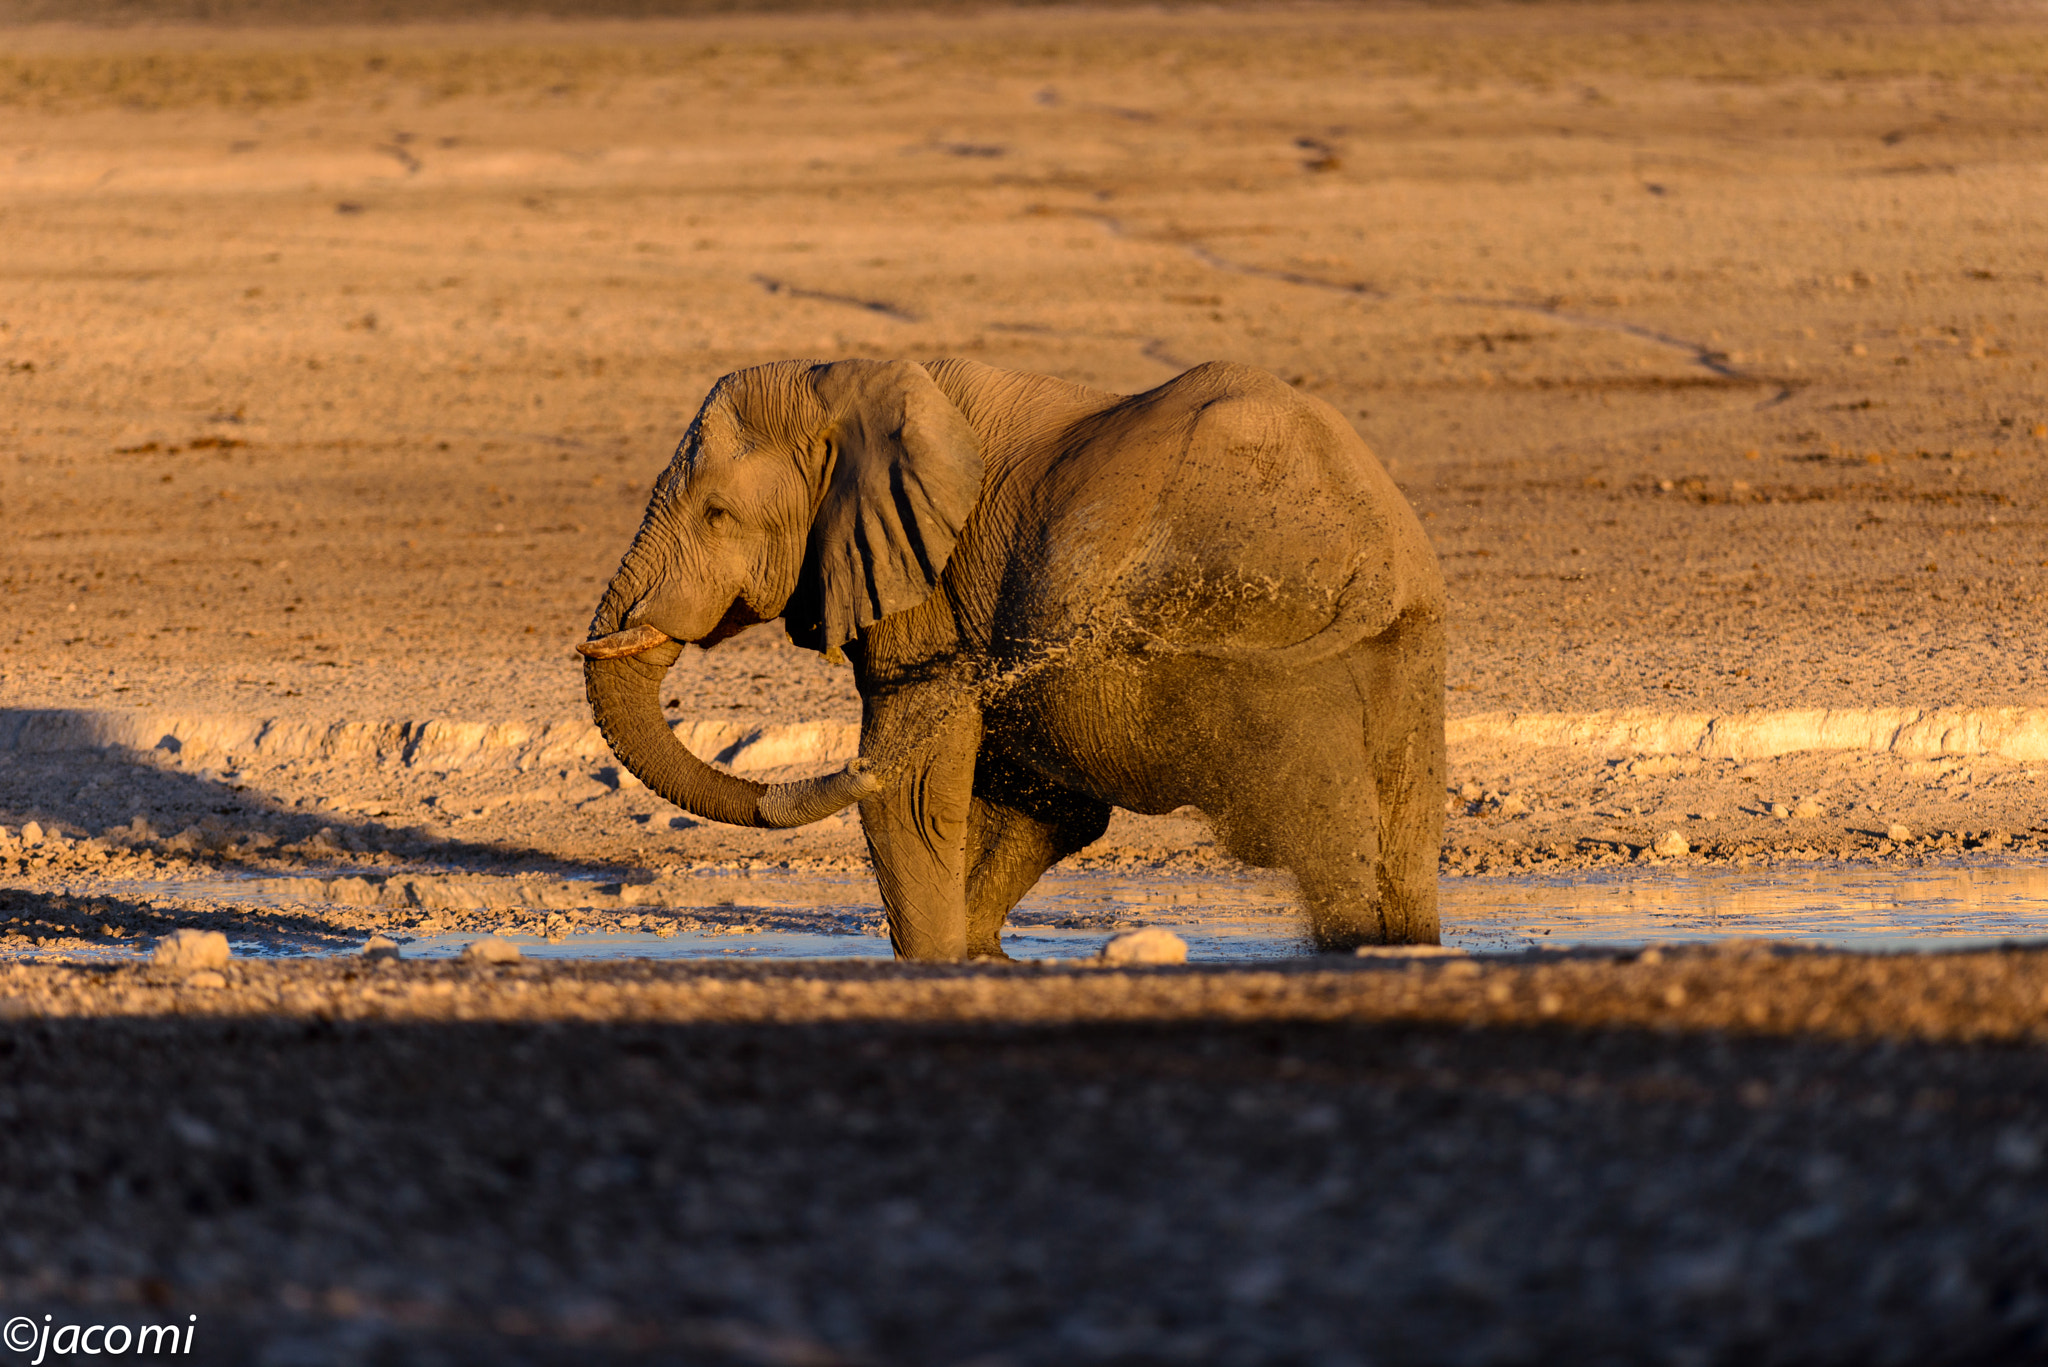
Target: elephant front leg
1021,826
917,835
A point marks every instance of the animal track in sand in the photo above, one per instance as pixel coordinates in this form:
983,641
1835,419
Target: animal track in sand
1699,353
1159,349
881,306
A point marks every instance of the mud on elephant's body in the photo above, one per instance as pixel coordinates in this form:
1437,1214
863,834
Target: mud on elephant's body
1055,601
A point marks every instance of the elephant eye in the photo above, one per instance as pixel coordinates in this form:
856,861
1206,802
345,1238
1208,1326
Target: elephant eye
717,516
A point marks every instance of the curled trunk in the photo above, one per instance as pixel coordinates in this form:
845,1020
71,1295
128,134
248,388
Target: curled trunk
625,697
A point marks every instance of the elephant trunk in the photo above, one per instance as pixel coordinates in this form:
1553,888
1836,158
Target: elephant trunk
624,687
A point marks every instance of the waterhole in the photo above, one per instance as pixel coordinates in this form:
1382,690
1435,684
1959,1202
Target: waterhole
774,914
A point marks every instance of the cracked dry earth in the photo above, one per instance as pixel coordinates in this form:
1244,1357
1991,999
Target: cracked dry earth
334,367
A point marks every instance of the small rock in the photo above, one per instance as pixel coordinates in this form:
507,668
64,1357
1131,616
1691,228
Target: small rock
1148,946
1898,833
381,947
191,949
1780,810
32,833
1513,806
206,978
1671,844
2017,1150
1471,792
492,949
1808,809
135,832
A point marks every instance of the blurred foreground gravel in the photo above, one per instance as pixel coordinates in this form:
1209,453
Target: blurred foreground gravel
1750,1155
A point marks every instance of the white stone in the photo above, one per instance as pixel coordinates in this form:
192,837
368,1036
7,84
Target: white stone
32,833
1808,809
380,947
1671,844
1148,946
191,949
491,949
1513,806
1899,833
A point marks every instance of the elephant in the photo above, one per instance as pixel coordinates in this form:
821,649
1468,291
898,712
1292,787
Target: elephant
1055,600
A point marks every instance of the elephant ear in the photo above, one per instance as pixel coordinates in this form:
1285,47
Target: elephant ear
901,470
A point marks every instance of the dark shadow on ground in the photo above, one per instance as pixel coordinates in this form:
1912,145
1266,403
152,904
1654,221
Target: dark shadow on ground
1206,1192
62,920
229,825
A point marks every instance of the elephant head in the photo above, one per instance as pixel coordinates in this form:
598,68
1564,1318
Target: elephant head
828,495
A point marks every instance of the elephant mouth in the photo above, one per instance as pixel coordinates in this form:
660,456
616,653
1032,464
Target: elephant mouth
642,637
620,644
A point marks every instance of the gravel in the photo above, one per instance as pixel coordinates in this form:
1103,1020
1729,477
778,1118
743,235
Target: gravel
1759,1156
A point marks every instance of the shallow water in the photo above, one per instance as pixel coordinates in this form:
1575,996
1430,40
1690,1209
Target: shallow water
1071,915
1845,906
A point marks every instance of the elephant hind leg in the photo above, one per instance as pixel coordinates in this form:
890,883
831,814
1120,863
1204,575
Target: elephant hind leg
1324,829
1309,806
1306,796
1401,676
1010,845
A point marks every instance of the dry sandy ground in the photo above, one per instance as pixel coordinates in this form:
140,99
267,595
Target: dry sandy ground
1707,341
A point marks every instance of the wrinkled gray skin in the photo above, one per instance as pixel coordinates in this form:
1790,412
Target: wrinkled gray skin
1056,601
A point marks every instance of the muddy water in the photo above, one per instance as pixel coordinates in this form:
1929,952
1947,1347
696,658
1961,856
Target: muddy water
1070,915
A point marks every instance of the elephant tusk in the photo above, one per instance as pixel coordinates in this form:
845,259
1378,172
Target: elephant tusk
631,641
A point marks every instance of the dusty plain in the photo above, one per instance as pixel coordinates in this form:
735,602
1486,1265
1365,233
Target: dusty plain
335,363
1707,344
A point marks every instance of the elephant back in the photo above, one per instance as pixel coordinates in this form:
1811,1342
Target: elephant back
1224,512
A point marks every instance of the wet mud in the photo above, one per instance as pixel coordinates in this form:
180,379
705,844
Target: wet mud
778,913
